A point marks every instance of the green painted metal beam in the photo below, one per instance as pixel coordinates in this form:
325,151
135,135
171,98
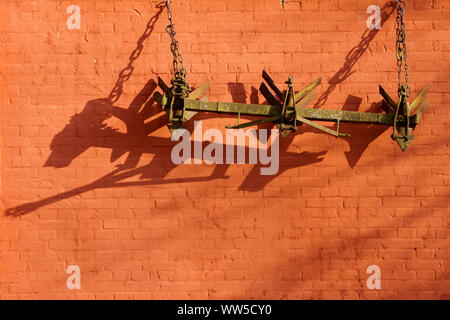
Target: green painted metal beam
233,108
346,116
255,123
308,113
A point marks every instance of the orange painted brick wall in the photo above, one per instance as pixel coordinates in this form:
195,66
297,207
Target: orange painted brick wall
80,186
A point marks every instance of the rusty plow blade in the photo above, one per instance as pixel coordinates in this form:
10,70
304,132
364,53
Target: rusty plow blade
406,116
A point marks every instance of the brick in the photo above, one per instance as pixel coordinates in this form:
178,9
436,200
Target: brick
152,230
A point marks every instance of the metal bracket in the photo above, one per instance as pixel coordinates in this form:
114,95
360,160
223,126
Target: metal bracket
406,115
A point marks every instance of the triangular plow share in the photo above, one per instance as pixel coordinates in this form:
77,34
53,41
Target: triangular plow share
406,115
286,110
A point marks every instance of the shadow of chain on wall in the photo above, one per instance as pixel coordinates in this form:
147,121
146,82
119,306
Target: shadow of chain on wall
126,72
354,55
89,130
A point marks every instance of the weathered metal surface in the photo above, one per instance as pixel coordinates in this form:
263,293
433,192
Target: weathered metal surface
200,91
306,100
389,105
405,115
401,52
272,85
309,113
164,87
403,138
421,108
302,94
255,123
233,108
348,116
418,99
285,115
270,98
386,107
160,99
322,128
180,84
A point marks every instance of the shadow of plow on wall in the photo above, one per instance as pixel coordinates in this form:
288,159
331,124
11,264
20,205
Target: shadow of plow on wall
354,55
88,129
93,132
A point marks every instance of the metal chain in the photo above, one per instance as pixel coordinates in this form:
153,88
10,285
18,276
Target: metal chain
180,85
402,54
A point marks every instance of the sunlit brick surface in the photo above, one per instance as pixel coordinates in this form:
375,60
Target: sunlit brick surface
92,185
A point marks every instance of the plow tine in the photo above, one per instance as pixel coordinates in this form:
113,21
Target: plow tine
188,115
270,98
272,85
200,91
300,95
254,123
413,106
164,87
307,99
390,105
161,99
421,108
321,128
386,107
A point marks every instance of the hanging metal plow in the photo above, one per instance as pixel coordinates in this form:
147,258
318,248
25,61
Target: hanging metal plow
287,109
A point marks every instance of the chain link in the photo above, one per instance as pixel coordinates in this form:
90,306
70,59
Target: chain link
180,85
402,54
